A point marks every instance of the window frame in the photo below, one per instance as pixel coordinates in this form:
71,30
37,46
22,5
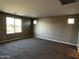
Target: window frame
14,25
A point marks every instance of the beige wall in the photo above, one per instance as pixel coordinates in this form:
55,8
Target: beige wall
26,28
56,28
78,35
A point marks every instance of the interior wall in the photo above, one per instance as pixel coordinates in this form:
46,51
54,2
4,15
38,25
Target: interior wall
57,28
78,34
26,27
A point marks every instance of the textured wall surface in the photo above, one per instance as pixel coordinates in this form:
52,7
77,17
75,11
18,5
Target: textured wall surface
26,27
57,28
78,35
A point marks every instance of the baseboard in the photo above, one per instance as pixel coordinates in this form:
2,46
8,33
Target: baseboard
57,41
13,39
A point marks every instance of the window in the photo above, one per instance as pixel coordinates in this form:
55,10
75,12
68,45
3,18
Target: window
13,25
35,22
18,25
71,21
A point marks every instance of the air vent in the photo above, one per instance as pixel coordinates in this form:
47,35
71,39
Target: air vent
64,2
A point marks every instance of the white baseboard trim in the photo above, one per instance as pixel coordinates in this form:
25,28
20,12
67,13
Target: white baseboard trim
57,41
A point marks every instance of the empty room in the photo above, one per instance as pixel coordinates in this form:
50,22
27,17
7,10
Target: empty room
39,29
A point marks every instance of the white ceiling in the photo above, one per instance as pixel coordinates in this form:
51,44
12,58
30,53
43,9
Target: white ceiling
38,8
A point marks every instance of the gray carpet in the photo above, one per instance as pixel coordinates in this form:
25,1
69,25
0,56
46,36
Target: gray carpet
34,48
